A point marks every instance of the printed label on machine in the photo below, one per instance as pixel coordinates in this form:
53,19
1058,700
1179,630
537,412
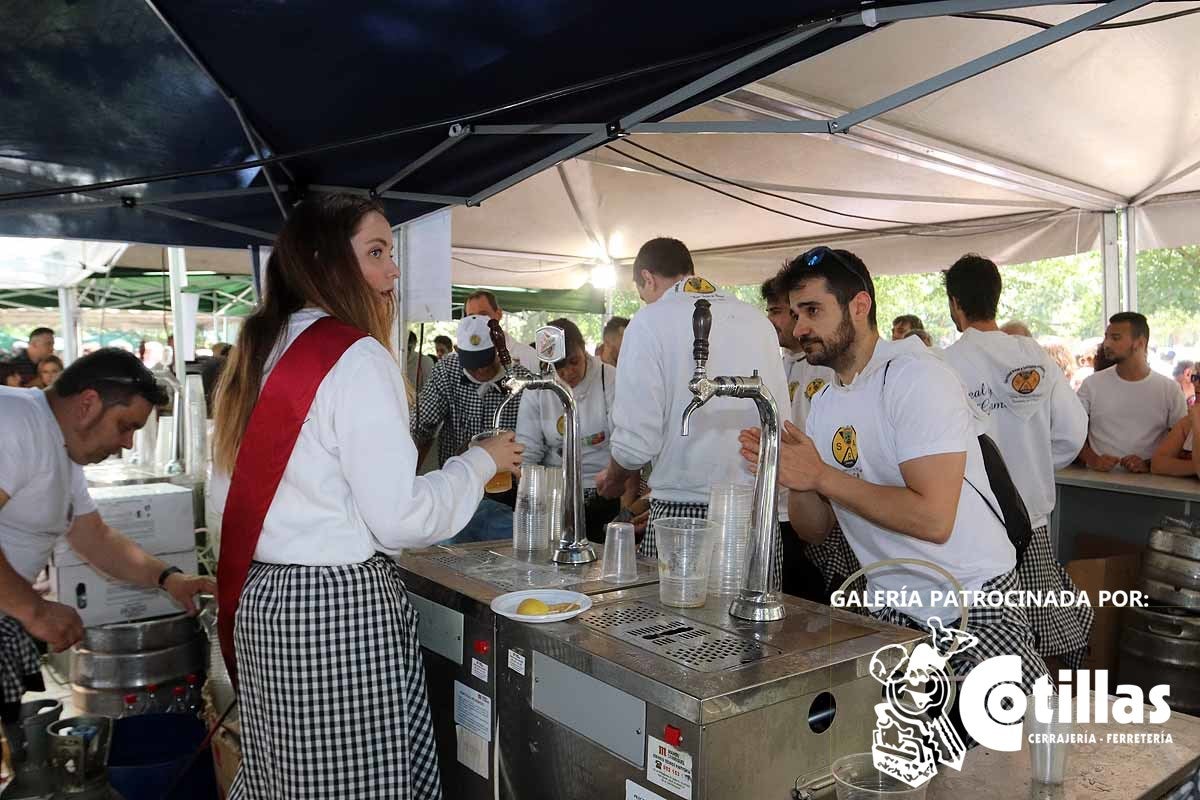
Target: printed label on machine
635,792
479,669
516,662
472,752
473,710
668,767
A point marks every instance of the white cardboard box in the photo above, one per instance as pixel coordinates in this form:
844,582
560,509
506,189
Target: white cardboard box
159,517
101,600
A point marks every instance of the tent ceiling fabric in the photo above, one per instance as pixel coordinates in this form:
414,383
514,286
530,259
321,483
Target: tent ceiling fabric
101,89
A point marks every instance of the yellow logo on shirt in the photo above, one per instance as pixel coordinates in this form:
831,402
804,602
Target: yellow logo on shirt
814,386
1024,381
562,425
698,286
792,387
845,446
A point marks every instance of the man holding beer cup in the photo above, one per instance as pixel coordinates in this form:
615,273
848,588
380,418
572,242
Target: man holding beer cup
461,397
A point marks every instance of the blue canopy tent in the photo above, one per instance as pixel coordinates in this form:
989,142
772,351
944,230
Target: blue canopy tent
174,122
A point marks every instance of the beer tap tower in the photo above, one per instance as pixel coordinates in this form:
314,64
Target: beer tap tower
757,600
573,547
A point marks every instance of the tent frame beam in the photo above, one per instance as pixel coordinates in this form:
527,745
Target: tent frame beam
456,135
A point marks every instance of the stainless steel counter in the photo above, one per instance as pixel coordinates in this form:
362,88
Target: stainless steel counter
1117,505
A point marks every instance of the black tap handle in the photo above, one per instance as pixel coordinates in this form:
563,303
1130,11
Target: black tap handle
500,343
701,325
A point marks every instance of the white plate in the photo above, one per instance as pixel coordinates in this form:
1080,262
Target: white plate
506,604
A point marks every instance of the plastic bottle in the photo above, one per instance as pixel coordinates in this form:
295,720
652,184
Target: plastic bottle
132,706
179,704
153,704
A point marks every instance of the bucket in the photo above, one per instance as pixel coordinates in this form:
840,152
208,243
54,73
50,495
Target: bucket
148,751
857,778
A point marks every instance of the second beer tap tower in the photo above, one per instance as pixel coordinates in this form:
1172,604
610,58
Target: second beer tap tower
757,600
573,547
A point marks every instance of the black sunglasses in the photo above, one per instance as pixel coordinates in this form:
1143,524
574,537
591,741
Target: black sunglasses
815,256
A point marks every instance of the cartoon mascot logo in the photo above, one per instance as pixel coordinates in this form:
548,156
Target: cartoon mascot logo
698,286
845,446
814,386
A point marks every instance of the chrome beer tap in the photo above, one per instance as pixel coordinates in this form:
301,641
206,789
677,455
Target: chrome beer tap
573,547
757,600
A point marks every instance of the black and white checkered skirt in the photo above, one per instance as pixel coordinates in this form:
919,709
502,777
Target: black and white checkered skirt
1002,630
1057,631
836,561
20,667
332,688
662,509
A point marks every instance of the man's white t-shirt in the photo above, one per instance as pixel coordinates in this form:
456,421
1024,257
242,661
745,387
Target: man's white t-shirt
1130,418
1037,422
652,391
46,489
868,430
541,422
804,381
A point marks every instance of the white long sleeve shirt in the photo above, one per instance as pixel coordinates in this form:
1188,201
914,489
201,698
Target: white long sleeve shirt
1035,419
652,391
350,488
541,422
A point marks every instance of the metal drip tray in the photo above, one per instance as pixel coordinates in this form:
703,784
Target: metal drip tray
509,574
683,641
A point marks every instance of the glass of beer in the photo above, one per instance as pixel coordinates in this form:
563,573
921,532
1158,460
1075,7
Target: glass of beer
501,482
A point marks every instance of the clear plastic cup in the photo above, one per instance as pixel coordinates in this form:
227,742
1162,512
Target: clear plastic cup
731,512
529,527
620,560
1048,744
857,778
684,555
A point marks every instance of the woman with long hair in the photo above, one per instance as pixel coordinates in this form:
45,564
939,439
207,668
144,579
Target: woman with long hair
316,470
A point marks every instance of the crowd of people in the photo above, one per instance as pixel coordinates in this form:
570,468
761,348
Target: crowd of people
890,449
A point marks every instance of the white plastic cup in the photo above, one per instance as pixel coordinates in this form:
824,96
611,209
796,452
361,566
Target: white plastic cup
1048,744
529,526
684,556
731,511
620,560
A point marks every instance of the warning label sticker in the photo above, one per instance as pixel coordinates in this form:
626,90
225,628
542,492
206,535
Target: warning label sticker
668,767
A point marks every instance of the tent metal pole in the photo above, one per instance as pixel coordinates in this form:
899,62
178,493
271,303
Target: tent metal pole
258,153
256,267
554,257
177,274
1157,188
943,8
68,306
675,98
212,223
88,205
399,339
1110,254
974,67
1129,215
456,135
419,197
252,135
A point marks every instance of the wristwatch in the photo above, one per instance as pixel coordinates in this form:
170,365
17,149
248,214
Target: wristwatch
166,573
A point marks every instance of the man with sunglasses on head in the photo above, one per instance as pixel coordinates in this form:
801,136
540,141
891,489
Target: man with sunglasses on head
652,390
890,451
90,413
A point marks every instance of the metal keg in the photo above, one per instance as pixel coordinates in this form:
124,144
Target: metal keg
115,660
1171,567
1163,646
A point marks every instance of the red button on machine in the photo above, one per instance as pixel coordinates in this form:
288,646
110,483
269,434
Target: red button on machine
672,736
482,646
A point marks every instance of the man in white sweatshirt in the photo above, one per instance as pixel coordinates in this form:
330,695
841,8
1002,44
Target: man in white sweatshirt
1037,423
652,389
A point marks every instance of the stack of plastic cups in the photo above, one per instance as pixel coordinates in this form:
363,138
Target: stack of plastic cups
556,498
529,534
731,511
196,451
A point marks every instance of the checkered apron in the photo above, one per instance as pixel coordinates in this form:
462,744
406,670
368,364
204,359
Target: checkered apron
836,561
1058,631
20,664
332,688
662,509
1002,631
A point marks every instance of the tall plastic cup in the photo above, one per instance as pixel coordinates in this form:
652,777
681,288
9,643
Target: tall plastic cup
684,556
620,560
